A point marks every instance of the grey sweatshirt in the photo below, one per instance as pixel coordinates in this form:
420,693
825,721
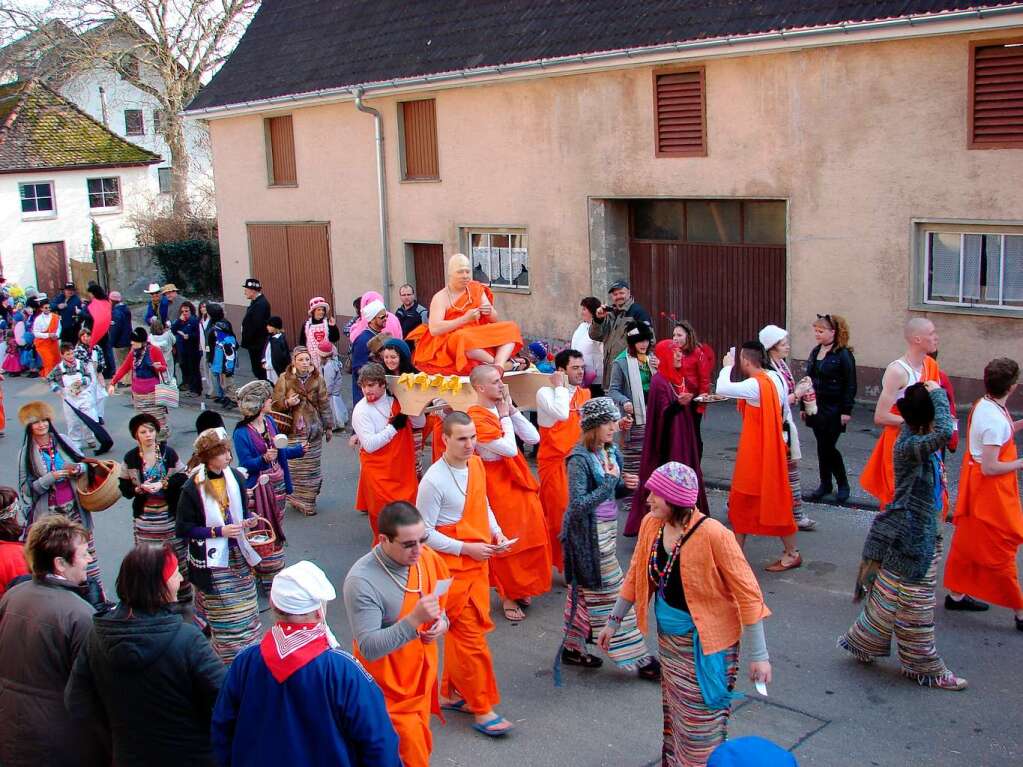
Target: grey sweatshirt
373,603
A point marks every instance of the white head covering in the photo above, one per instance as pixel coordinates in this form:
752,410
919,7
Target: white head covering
772,334
303,588
372,309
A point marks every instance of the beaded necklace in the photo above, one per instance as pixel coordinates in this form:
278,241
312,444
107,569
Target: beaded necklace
393,577
656,573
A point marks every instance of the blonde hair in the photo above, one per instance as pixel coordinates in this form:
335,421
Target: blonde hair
840,325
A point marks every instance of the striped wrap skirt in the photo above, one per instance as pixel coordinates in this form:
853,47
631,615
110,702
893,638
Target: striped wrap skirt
306,475
72,511
796,484
230,609
273,563
632,454
146,403
156,525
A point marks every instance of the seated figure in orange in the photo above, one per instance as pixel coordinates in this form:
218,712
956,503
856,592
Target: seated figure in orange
463,330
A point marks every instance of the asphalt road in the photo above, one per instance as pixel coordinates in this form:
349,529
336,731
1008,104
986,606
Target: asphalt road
830,710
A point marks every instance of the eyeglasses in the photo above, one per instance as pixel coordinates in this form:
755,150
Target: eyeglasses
827,318
409,545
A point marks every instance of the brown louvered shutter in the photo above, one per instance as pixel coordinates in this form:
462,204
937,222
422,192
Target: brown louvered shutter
280,144
419,140
680,121
996,95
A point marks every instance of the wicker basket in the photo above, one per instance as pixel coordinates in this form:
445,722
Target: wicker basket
103,491
283,421
262,528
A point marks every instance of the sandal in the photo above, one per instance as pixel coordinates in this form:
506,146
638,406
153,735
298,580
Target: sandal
651,671
780,566
487,728
460,706
514,614
576,658
525,601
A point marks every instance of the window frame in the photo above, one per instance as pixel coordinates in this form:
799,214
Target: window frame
920,231
465,233
141,122
170,179
971,85
402,156
38,215
268,150
678,70
104,209
158,121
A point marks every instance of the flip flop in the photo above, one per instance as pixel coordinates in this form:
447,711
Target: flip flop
456,705
514,614
486,727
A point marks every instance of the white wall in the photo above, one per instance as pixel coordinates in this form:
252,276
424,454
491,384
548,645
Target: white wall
71,221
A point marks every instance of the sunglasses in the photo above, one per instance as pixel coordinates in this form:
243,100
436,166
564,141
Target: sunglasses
409,545
827,319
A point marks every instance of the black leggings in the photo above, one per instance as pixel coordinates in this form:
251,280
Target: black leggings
827,428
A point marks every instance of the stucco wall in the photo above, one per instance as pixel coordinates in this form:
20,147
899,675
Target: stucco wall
858,139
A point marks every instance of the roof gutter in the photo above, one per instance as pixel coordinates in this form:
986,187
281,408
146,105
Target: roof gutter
385,250
954,22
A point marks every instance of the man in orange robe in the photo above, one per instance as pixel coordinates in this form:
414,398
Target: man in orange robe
557,412
512,490
396,614
463,531
989,525
387,452
760,502
878,477
46,327
463,330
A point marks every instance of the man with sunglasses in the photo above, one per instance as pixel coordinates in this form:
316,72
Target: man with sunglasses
395,604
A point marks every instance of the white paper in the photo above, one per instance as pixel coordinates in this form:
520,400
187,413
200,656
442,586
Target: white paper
761,687
442,587
508,544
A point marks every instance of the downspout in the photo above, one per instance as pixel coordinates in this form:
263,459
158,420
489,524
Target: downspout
385,251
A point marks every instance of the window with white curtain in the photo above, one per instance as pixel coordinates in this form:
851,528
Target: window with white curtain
973,268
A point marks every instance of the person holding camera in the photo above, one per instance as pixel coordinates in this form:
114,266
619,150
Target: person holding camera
610,321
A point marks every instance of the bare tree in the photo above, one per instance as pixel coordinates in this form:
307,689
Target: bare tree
182,41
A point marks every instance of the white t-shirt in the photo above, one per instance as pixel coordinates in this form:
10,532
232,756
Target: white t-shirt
988,426
441,501
592,351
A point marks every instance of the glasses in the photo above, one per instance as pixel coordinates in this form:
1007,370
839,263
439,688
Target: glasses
409,545
827,319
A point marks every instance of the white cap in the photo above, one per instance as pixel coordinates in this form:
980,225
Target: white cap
301,588
372,309
771,335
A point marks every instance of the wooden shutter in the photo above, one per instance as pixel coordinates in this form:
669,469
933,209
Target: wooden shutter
996,95
280,146
419,140
680,120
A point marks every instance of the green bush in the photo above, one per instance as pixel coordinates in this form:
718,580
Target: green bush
192,265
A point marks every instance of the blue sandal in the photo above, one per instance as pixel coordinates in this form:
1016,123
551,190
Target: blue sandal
458,705
487,727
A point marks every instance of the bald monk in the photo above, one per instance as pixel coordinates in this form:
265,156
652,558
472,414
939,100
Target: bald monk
760,502
396,618
463,329
988,522
878,477
513,493
557,412
461,528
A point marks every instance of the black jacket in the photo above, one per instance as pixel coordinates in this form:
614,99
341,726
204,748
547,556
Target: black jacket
254,324
834,379
280,352
190,515
151,680
133,470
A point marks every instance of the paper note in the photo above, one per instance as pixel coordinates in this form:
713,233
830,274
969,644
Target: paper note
761,687
442,587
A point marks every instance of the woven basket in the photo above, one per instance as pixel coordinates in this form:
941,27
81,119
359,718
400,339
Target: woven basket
103,491
283,420
262,528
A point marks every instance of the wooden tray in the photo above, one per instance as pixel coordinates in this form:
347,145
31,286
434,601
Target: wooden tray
459,395
707,399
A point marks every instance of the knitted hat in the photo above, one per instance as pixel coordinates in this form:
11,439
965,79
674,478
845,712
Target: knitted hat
538,349
252,396
140,420
275,322
371,310
318,302
325,347
115,295
676,483
598,411
771,335
139,335
33,412
636,332
398,345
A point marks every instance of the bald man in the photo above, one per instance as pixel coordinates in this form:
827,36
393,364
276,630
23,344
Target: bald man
463,329
878,477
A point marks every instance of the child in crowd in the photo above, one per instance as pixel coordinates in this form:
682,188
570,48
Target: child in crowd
331,370
93,359
225,348
72,379
162,338
276,353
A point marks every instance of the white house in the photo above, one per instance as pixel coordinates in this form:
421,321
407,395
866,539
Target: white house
60,171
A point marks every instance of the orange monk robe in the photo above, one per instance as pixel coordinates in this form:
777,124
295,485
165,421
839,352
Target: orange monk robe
48,348
468,666
556,442
878,476
525,571
447,353
760,502
989,530
387,474
408,676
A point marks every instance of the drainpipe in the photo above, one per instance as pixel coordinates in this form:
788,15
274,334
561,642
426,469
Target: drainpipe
385,251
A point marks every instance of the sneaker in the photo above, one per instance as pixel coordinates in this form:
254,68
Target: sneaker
818,494
967,603
806,524
951,682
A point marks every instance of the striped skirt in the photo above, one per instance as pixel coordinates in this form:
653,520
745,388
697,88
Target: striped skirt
230,610
306,475
74,513
797,491
907,611
156,525
691,730
146,403
632,453
593,607
418,437
272,563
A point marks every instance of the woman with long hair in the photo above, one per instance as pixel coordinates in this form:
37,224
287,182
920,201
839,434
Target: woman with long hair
396,357
697,368
592,351
269,475
705,598
147,366
12,551
151,680
205,353
152,476
831,367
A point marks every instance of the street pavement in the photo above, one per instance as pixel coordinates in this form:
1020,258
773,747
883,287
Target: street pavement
825,706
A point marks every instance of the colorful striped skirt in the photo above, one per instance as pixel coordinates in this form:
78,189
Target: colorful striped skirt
272,563
146,403
230,610
306,475
632,453
691,730
907,611
797,491
593,607
72,511
156,525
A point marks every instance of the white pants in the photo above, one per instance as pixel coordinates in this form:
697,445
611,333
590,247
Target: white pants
99,399
339,410
76,430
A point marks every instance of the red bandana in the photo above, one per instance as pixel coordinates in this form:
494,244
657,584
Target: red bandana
288,647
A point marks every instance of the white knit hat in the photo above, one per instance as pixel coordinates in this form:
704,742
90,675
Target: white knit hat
372,309
770,335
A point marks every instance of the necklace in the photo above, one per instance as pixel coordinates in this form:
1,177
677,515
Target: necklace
455,479
656,573
454,302
393,577
1000,406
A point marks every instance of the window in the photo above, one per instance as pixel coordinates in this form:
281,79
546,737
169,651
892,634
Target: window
719,222
996,95
280,151
157,122
164,176
37,198
134,125
129,65
974,268
680,120
104,192
500,257
417,135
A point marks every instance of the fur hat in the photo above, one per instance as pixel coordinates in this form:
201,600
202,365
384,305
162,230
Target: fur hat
209,445
33,412
598,411
377,342
636,332
252,396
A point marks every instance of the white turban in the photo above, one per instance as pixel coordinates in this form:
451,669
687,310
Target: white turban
372,309
301,588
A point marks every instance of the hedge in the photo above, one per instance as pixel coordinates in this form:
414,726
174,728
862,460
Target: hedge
192,265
